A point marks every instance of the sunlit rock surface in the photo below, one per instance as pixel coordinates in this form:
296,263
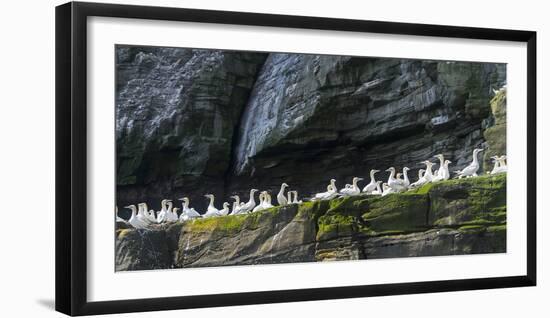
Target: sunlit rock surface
454,217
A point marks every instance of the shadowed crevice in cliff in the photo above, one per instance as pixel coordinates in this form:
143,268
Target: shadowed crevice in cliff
235,136
176,110
436,219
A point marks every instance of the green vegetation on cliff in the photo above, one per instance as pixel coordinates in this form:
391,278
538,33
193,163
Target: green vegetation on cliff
451,217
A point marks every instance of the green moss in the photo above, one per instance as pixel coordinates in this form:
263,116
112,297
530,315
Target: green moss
458,201
497,228
471,228
313,210
230,223
332,225
123,233
397,212
425,189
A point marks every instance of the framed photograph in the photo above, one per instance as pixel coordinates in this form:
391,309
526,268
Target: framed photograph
209,158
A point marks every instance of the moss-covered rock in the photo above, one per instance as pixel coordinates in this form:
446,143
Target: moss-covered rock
471,201
398,212
495,135
465,216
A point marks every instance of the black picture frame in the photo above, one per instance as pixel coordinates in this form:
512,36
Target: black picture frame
71,157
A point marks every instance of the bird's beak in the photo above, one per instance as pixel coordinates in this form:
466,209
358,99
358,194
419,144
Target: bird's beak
388,170
359,179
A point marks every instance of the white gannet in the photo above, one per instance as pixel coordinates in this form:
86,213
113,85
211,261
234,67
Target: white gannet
281,199
386,189
248,206
118,218
260,205
330,194
353,190
503,167
173,215
161,215
295,200
186,212
211,210
145,212
267,200
289,197
496,166
394,183
428,175
421,179
406,182
143,215
472,168
444,174
134,221
372,184
333,185
236,203
440,171
225,210
378,191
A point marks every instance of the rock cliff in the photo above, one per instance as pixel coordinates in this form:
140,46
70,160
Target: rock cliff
454,217
190,122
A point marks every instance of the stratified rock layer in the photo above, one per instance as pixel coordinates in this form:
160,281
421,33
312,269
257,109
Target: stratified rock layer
454,217
176,112
191,122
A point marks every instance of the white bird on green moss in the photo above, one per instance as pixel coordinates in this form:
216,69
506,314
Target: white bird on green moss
441,171
248,206
386,189
353,190
281,198
295,200
496,165
394,183
262,197
421,179
330,194
472,168
166,206
186,212
211,211
144,210
372,184
502,162
428,175
289,197
134,221
173,215
118,218
444,173
236,203
225,210
378,190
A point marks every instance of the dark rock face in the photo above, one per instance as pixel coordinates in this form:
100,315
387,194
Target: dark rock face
454,217
191,122
311,118
176,110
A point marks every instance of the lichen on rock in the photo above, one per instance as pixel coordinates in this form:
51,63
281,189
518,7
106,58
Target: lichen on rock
461,216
